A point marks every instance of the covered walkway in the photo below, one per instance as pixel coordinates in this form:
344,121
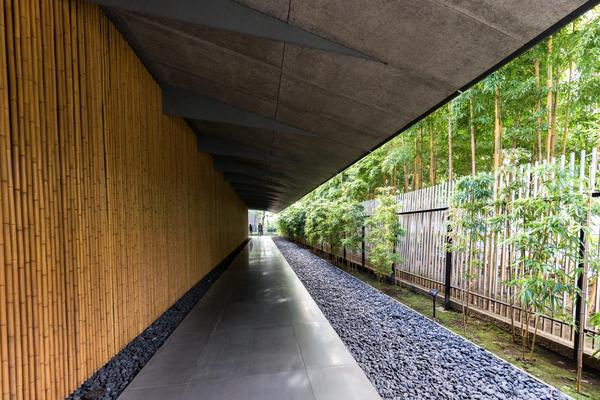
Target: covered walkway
257,334
134,137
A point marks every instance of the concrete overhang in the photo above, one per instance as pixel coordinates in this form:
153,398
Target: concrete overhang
285,94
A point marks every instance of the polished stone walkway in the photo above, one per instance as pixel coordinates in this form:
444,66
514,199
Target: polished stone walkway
256,334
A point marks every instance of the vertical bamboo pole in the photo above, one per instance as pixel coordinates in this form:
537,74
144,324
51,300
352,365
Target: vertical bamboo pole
6,313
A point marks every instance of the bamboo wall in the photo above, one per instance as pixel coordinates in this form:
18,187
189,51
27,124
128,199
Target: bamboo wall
108,213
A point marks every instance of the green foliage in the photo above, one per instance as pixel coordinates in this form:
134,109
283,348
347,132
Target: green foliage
470,206
353,219
330,215
545,229
291,221
316,220
595,322
384,228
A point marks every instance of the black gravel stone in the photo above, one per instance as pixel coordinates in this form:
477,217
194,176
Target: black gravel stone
404,354
109,381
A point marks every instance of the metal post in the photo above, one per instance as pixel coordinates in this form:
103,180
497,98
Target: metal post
362,260
448,278
393,274
579,299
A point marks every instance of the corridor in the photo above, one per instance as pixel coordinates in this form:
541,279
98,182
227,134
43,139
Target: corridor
256,334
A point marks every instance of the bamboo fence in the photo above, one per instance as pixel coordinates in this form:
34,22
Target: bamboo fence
424,216
108,213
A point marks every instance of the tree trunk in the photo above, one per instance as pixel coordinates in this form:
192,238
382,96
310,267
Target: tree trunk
418,159
416,165
516,125
535,332
421,157
468,277
473,139
431,154
450,176
549,101
538,110
405,176
554,110
497,128
567,110
526,333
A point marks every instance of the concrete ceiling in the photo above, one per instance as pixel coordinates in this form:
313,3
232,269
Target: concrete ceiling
286,93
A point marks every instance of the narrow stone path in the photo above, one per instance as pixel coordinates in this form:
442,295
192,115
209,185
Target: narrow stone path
405,355
255,335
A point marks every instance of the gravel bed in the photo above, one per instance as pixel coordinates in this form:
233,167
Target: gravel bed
110,380
404,354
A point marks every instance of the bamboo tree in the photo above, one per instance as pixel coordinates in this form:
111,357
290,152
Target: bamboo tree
431,153
450,172
418,162
512,183
384,229
405,174
497,127
538,109
473,138
545,231
405,178
470,204
549,99
554,111
567,110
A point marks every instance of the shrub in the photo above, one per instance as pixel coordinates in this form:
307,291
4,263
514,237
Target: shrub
384,228
470,204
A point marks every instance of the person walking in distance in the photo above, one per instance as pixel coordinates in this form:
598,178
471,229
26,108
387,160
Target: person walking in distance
260,229
250,228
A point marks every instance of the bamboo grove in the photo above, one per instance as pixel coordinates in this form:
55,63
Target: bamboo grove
108,212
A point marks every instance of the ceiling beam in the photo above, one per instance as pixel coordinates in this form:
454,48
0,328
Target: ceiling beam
257,189
210,144
235,17
255,192
228,164
254,197
182,103
248,179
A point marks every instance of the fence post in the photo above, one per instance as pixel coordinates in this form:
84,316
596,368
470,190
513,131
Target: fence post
344,255
362,259
393,274
579,299
448,270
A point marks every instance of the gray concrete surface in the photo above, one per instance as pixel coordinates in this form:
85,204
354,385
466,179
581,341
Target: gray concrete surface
417,53
256,334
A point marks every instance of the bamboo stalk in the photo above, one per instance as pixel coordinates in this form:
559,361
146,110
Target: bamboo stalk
6,313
